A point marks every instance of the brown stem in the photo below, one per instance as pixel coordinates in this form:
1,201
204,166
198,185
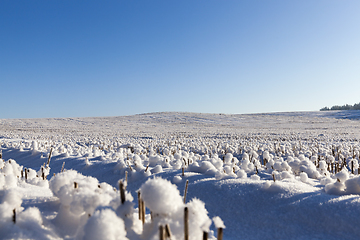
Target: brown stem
122,192
205,235
220,234
186,188
167,231
14,215
186,224
161,232
48,162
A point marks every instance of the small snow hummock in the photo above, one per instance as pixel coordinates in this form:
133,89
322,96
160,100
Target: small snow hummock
167,207
104,224
161,196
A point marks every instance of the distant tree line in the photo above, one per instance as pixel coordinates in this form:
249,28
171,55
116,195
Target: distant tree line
356,106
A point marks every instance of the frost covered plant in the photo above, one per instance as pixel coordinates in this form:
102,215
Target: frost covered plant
167,207
335,188
79,197
17,223
104,224
161,197
228,158
353,185
344,184
10,200
219,224
303,164
304,177
8,174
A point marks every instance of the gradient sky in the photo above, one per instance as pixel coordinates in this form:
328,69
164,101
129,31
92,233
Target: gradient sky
65,58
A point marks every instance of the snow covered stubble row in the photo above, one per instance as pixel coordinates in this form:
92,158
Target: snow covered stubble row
234,158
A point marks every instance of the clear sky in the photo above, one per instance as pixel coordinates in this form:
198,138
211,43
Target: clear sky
65,58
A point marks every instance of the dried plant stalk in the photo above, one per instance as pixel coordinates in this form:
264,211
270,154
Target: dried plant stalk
186,188
186,224
122,192
219,233
139,206
14,215
167,231
161,232
48,162
62,168
205,235
143,210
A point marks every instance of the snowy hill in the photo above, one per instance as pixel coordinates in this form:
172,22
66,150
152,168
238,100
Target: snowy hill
169,122
274,175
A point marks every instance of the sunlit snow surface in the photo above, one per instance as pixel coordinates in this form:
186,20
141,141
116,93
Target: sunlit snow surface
252,206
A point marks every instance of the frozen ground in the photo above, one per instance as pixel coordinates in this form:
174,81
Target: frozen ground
231,162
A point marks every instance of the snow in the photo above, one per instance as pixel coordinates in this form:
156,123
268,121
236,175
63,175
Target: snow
218,222
104,224
161,197
263,176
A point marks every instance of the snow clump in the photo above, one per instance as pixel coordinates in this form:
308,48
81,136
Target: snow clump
161,197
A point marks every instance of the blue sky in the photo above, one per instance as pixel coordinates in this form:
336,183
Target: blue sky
110,58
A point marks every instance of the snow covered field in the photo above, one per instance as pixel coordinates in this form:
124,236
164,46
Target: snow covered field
266,176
